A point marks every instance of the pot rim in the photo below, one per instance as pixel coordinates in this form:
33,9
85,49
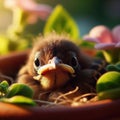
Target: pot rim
103,110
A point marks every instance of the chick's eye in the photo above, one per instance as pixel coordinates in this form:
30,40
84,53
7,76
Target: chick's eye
36,62
74,61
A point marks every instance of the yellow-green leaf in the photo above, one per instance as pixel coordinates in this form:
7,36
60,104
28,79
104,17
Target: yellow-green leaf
19,89
108,85
61,22
109,94
19,100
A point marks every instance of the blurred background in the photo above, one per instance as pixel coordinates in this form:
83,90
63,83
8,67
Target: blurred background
87,13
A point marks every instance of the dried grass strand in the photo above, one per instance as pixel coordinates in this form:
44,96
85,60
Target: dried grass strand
63,99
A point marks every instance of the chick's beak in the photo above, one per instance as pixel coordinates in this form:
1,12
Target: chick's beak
54,74
53,64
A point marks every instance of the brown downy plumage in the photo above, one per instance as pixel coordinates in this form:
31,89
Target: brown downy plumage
57,64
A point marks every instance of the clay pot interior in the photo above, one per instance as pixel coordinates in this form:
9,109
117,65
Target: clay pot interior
106,109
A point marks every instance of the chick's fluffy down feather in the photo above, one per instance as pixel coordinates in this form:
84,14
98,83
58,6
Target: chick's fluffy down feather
60,46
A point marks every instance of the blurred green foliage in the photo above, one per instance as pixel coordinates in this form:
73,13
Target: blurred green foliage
94,11
86,13
103,11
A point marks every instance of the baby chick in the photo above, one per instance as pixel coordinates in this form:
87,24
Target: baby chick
55,62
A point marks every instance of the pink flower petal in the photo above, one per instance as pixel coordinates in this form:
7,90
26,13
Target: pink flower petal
118,45
34,10
103,46
116,33
31,6
40,10
90,39
26,4
102,33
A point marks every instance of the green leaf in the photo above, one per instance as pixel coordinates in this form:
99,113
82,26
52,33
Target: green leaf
19,100
107,81
109,94
108,85
19,89
87,44
113,67
4,86
61,22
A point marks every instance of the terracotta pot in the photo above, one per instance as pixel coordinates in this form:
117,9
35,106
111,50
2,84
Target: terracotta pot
101,110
